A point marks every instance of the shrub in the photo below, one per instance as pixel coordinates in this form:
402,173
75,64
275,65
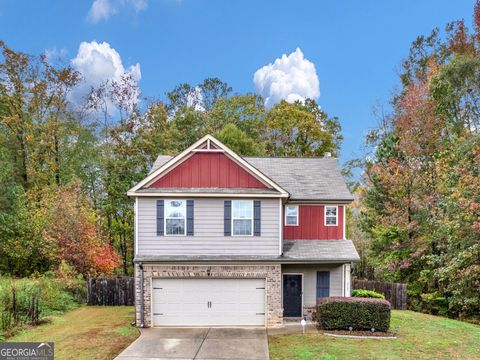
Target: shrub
31,300
72,281
367,294
340,313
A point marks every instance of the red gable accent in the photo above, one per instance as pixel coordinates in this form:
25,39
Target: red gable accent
311,225
208,170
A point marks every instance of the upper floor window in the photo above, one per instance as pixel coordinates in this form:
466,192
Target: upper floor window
291,215
175,214
242,217
331,215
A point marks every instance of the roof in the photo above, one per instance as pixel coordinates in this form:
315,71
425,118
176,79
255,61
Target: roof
294,251
320,250
308,179
206,144
305,178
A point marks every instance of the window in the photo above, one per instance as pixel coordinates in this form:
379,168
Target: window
175,211
242,217
331,215
291,215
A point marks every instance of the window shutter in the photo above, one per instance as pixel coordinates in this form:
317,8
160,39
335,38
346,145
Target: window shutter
227,218
256,217
190,217
160,217
323,284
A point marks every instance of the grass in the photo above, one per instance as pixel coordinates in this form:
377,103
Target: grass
91,332
420,336
24,301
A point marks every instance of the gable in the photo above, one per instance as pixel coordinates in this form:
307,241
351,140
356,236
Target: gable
208,170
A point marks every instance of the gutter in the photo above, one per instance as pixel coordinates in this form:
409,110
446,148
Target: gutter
142,304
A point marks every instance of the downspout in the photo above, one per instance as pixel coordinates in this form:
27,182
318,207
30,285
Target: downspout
142,305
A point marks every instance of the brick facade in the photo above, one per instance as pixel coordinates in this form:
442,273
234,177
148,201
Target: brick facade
271,273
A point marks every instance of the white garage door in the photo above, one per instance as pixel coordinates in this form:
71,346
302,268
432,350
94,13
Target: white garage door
208,302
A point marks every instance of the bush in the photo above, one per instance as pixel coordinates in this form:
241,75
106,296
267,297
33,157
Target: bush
341,313
31,300
367,294
72,281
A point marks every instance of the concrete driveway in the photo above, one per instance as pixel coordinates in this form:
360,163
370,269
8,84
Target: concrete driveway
198,343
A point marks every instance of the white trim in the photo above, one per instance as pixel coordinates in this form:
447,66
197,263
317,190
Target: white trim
348,281
344,223
325,215
298,215
209,150
303,283
165,219
217,194
238,159
251,219
135,234
280,227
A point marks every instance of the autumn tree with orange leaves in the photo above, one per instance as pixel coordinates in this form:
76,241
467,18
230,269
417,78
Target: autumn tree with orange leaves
420,199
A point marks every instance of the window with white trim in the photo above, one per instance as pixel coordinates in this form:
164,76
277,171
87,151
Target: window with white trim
291,215
175,215
242,217
331,215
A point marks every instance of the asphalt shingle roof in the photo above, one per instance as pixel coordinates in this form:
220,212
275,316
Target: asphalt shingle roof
304,178
324,250
312,251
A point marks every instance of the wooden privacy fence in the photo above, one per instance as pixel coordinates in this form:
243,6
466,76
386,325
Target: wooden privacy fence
111,291
395,293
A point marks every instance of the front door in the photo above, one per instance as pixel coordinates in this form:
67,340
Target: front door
292,295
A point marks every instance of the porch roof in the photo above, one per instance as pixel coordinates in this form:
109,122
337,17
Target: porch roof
294,251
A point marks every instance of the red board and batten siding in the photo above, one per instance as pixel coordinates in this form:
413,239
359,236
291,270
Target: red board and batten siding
208,170
311,225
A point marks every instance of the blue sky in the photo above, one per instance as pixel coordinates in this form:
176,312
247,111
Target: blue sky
356,46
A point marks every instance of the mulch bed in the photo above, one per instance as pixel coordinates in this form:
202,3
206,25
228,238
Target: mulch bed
361,333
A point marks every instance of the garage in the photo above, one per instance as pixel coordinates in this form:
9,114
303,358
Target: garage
208,302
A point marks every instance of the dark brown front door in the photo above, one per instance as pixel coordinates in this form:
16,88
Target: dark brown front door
292,295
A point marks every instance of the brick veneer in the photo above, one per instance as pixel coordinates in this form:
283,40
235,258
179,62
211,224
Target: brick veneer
272,274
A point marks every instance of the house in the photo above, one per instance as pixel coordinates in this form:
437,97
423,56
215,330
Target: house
222,239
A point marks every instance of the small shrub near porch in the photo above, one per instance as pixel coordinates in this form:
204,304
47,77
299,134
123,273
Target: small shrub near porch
367,294
341,313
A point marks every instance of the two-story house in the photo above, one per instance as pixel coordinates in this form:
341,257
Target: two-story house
222,239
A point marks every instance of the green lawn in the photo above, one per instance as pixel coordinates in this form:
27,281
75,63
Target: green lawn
420,336
90,332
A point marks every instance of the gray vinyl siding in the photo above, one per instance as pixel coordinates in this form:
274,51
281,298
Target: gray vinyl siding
208,238
310,280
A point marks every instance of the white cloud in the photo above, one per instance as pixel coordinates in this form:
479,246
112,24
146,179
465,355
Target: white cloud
98,63
54,54
290,77
104,9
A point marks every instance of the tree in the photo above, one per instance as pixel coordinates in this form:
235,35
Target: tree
421,194
246,112
295,130
212,90
238,141
76,235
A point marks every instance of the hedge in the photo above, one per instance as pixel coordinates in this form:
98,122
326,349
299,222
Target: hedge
341,313
367,294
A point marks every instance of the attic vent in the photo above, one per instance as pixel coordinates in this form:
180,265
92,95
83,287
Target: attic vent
327,155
